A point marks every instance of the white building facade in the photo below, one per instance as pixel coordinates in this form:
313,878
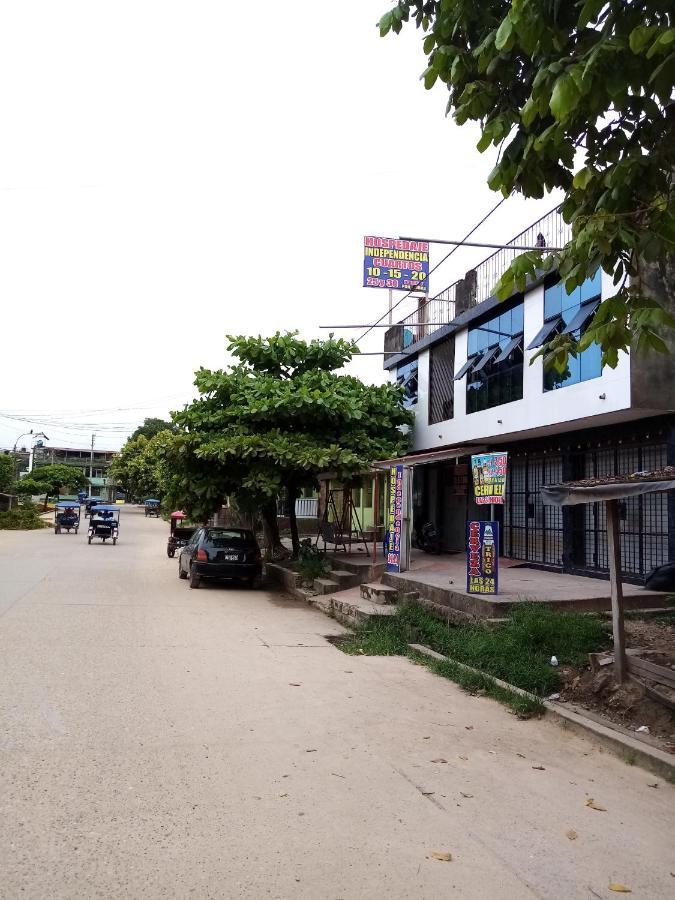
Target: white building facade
465,361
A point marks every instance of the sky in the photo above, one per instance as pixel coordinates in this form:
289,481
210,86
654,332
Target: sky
173,172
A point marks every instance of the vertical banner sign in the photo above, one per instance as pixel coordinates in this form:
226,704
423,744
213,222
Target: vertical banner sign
394,518
397,265
489,477
482,557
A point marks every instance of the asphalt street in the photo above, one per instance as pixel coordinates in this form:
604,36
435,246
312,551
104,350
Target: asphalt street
158,741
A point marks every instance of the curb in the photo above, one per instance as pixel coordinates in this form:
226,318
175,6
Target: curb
654,760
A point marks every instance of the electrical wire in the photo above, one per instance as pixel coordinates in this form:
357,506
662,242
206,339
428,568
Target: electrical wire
433,269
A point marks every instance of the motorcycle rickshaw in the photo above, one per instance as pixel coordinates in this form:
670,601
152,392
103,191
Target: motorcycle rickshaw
179,533
104,523
152,508
90,503
66,516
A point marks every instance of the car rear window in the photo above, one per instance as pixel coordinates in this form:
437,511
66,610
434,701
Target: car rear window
228,537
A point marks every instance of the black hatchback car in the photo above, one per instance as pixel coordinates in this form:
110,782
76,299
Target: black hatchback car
219,552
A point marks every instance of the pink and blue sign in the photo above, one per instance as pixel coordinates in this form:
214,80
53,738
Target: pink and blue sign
394,519
482,557
395,264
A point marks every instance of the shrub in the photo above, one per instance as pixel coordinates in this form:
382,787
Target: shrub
312,562
24,517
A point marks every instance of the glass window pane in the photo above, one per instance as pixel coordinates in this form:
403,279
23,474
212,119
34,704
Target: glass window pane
505,325
473,342
517,382
552,301
481,336
517,319
590,363
591,287
570,301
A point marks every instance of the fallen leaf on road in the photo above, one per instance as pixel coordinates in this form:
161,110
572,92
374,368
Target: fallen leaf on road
593,805
428,793
462,757
655,785
571,834
427,738
439,760
469,727
311,751
468,796
521,755
337,774
442,857
540,768
294,684
283,795
619,888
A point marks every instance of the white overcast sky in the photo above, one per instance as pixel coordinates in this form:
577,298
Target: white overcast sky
171,172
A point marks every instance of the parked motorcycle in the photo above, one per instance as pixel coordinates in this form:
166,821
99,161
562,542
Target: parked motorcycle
428,538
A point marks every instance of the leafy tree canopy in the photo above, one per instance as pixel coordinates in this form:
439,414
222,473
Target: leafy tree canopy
277,419
151,427
51,480
6,472
578,96
140,467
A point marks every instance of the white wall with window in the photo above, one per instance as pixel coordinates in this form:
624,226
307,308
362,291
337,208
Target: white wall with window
498,393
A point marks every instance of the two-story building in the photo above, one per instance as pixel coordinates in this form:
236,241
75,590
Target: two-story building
466,362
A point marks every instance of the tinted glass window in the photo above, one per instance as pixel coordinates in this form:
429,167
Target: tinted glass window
557,302
500,381
406,377
228,537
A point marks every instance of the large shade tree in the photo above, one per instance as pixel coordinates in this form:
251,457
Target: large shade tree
577,96
51,479
277,419
141,468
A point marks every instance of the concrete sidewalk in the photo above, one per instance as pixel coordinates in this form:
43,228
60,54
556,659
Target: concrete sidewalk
158,741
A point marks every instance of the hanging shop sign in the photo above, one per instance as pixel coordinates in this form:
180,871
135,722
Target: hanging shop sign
482,557
489,477
394,518
395,264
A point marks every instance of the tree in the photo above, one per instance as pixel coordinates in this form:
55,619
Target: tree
140,467
151,427
6,472
276,420
578,96
51,479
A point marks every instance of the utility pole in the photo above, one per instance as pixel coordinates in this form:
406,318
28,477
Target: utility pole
91,463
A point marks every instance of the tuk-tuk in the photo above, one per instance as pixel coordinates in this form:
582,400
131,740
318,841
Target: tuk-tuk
104,523
81,496
90,502
66,516
179,534
152,508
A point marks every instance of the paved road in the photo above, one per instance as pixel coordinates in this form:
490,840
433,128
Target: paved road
162,742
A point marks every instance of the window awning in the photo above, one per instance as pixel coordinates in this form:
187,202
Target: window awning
583,315
485,359
544,333
420,459
610,487
471,361
510,347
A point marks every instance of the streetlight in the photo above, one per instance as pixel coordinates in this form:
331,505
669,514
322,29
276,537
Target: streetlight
31,455
16,462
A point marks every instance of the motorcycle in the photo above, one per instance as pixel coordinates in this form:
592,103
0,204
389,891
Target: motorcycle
429,538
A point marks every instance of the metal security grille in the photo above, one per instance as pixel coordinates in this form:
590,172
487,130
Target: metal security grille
441,381
643,522
532,532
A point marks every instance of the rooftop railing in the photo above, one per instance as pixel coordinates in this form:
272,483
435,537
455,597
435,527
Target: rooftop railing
479,283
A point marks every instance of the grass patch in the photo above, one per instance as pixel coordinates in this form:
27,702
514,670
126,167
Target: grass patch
517,652
22,518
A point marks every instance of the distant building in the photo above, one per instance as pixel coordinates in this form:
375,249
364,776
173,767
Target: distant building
100,484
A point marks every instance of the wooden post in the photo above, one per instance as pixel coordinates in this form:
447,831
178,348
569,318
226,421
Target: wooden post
614,550
376,512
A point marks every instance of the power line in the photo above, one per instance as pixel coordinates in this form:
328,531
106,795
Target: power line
432,270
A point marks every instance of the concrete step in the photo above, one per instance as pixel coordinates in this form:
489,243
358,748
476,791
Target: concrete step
326,586
379,593
345,578
365,567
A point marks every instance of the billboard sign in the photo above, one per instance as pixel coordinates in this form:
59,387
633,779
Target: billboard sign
482,557
489,477
395,264
394,517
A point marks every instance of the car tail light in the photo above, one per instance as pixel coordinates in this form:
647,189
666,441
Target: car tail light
202,556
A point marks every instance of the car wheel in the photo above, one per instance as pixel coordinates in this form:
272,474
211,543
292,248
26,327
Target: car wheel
114,541
195,580
171,553
89,540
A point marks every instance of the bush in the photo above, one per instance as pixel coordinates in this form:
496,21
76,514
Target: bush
24,517
312,562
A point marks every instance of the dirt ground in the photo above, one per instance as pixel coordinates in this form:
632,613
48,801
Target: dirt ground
628,705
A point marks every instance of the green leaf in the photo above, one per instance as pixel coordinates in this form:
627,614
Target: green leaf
504,34
564,97
640,37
